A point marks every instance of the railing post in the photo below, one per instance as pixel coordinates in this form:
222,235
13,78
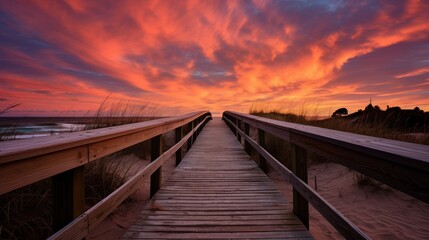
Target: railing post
261,142
198,120
233,127
156,151
200,129
299,168
68,192
194,135
238,133
179,135
246,143
189,143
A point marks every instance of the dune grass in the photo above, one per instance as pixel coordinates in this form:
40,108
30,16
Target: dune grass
7,131
380,129
26,212
113,113
280,148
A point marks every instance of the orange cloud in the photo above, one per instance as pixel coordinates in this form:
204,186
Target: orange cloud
200,54
414,73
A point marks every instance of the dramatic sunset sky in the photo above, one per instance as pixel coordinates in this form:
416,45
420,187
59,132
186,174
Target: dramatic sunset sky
65,57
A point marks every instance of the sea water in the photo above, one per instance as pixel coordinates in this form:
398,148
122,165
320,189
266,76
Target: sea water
21,128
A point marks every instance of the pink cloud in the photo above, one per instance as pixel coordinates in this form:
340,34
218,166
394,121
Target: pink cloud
201,54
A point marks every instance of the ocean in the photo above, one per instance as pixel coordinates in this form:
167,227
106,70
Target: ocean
28,127
12,128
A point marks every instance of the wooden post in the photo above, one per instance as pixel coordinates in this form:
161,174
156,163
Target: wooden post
198,120
194,135
261,142
299,168
200,129
68,192
234,122
179,135
231,125
238,133
189,143
247,147
156,151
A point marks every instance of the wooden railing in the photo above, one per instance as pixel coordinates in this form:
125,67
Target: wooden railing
62,157
403,166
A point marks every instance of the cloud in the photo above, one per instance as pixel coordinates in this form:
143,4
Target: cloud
213,54
413,73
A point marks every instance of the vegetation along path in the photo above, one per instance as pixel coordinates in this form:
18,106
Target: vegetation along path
217,191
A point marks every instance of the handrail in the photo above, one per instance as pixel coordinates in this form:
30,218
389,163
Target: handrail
23,162
34,159
404,166
81,226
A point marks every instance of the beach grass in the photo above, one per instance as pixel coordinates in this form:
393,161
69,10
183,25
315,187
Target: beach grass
379,129
280,148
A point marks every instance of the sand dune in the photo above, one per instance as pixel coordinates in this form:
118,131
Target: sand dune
381,212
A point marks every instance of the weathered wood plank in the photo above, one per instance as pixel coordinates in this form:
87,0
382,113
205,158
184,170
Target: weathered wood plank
17,174
208,229
407,163
219,218
216,235
408,179
178,134
299,168
156,177
11,151
217,213
68,197
78,230
396,151
101,210
218,192
342,224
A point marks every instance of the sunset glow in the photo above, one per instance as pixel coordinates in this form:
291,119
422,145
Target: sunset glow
65,57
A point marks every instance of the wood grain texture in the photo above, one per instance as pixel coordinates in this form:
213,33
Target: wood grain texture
68,197
25,148
26,161
156,177
76,230
178,134
101,210
402,165
17,174
217,192
341,223
299,168
410,154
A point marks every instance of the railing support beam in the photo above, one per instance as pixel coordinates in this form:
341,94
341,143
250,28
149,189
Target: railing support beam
156,177
189,143
68,191
238,122
261,141
194,135
299,168
247,146
179,135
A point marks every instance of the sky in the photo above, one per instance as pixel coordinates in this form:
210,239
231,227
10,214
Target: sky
65,57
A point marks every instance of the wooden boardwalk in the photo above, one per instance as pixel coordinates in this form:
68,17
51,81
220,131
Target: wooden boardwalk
218,192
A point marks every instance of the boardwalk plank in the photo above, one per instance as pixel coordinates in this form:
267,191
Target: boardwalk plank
217,192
